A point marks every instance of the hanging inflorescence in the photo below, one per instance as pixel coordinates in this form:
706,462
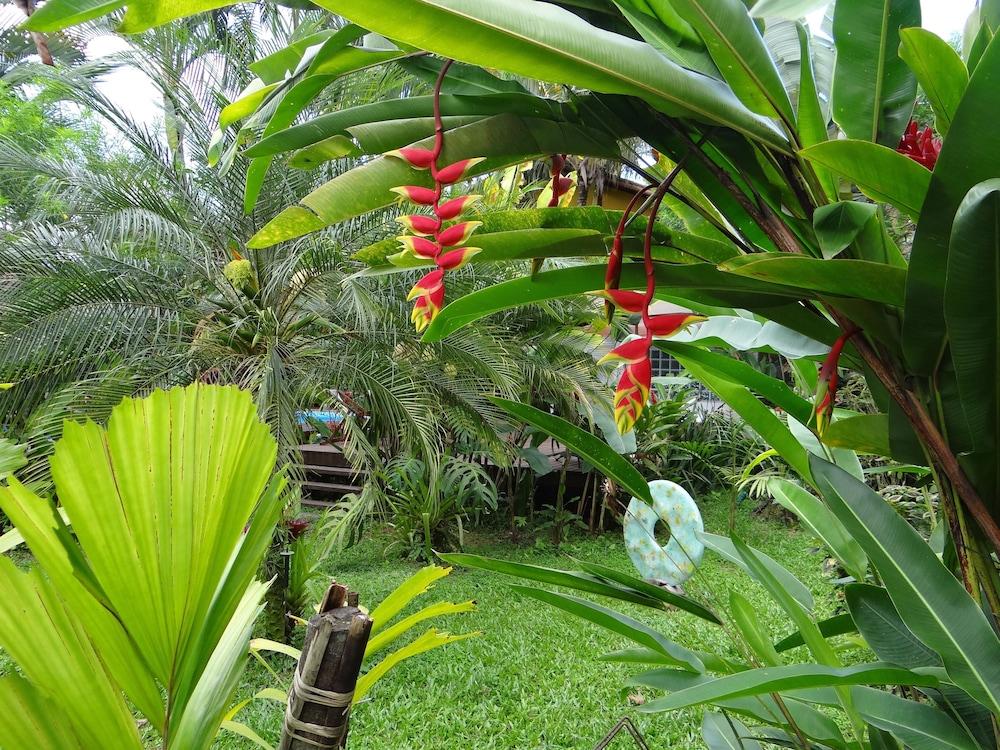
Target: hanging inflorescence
635,383
442,236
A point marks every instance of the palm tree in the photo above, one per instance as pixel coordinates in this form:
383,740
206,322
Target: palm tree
128,290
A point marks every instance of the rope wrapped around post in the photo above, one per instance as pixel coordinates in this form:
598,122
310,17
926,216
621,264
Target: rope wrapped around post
319,701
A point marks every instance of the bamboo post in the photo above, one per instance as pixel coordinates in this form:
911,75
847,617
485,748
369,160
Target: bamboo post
319,701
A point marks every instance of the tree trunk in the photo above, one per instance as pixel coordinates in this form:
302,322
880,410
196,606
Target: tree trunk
319,701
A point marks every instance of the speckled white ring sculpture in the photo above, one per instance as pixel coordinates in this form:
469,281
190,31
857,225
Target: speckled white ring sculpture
676,562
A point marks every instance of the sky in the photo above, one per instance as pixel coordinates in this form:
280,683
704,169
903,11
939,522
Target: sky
132,91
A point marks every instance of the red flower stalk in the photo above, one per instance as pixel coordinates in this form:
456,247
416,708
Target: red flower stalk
920,145
633,389
428,236
560,184
614,272
826,386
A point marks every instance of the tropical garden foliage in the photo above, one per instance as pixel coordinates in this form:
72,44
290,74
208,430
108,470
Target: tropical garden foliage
776,160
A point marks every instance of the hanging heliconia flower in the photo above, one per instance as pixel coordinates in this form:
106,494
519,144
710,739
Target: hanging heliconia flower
826,385
633,391
428,236
920,145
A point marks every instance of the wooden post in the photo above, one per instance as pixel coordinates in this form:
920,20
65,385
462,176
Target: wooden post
319,700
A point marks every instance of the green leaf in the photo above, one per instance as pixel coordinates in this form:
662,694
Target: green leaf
863,433
839,277
918,725
700,280
790,677
246,103
736,371
760,707
747,334
33,725
724,547
433,638
791,10
461,78
822,523
885,633
962,164
145,14
753,631
764,421
12,457
873,89
162,607
813,118
404,593
726,733
591,449
503,140
879,172
617,623
324,127
972,314
817,645
651,590
660,25
546,42
396,630
928,598
831,626
837,225
56,15
238,727
736,46
939,71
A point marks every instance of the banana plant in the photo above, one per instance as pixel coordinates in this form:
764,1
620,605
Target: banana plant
149,603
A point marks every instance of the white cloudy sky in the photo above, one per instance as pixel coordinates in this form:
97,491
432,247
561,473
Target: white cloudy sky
131,90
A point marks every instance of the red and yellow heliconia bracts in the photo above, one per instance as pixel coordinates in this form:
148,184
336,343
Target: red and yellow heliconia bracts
428,237
826,385
632,392
635,383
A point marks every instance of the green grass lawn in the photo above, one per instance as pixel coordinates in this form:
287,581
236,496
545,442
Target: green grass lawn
532,680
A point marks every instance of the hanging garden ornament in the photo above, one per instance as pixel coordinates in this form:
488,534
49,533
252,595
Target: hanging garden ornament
676,561
428,236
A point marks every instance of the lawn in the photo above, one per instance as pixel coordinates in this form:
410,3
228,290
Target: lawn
532,679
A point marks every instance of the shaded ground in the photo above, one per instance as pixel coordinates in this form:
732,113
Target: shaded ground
532,679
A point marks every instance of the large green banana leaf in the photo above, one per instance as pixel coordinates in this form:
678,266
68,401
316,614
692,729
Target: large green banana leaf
544,41
963,163
503,140
873,89
972,314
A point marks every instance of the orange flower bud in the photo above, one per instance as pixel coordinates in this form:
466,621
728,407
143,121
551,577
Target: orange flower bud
630,352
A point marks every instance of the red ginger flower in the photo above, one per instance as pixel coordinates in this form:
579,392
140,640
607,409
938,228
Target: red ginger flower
920,145
428,237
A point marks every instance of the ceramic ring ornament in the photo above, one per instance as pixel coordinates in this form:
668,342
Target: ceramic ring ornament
675,562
